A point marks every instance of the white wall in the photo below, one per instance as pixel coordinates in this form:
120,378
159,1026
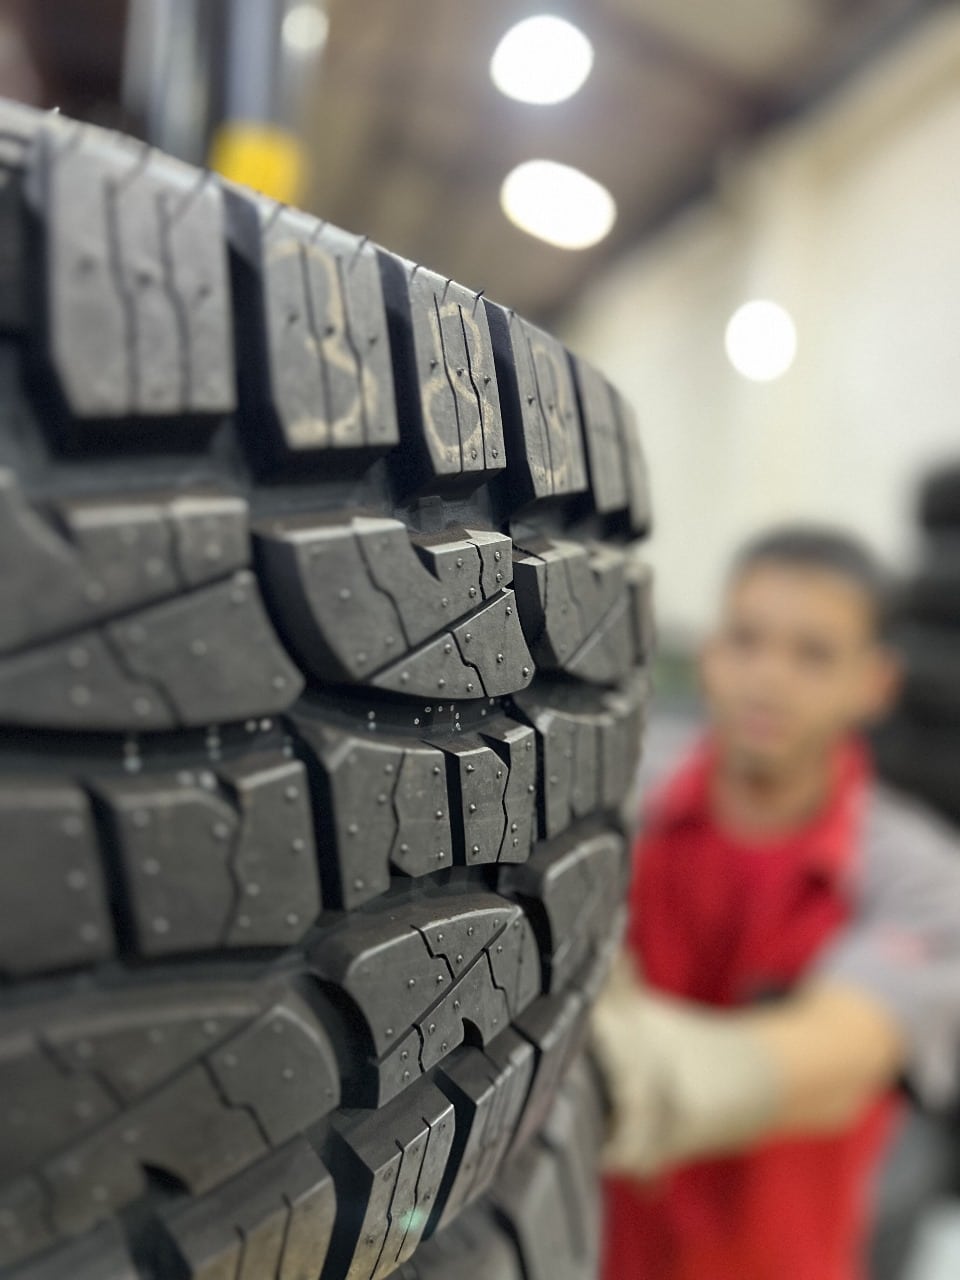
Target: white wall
850,219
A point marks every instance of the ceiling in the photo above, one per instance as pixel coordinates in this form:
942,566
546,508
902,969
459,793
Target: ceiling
410,140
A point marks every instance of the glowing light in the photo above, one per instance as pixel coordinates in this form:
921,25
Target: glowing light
761,340
543,60
557,203
304,30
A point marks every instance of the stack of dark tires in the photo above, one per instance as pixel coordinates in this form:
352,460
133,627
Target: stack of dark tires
322,678
919,749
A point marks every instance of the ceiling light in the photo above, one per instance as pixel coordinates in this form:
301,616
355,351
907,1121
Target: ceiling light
761,340
304,29
542,60
558,204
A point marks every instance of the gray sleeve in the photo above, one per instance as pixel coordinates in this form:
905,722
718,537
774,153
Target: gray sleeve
904,944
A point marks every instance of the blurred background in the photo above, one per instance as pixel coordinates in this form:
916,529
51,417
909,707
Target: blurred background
745,212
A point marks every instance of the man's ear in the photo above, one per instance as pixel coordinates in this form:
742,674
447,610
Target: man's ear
884,684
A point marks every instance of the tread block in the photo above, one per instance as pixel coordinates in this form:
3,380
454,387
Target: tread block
385,806
577,884
531,1197
313,334
91,559
474,1247
360,600
137,297
281,1068
100,1255
44,1107
207,868
618,471
555,1025
184,1130
395,1161
414,807
273,1220
494,775
601,429
199,659
540,412
587,755
640,516
579,611
445,375
133,1046
54,910
488,1090
572,1136
417,979
193,1083
24,1226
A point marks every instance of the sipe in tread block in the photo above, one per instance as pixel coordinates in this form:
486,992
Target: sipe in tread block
323,642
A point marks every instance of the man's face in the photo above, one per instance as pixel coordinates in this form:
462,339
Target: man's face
793,665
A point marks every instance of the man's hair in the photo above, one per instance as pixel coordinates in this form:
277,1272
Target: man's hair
820,547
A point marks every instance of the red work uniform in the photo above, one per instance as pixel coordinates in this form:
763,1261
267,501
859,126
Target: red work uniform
727,922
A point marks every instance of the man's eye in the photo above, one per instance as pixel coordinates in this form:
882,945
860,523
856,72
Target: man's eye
743,639
814,653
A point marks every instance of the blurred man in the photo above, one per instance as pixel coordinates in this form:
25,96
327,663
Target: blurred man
797,929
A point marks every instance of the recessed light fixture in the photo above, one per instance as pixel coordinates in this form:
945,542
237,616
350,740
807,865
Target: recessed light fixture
543,59
761,340
304,29
557,203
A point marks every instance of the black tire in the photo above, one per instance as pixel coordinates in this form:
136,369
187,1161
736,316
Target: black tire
940,499
919,748
322,654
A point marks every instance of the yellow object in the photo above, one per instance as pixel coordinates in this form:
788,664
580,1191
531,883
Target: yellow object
261,156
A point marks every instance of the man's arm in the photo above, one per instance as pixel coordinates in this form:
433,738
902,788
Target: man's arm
832,1050
687,1081
884,1001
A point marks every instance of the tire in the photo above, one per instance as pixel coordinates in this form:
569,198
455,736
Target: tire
323,640
940,499
918,749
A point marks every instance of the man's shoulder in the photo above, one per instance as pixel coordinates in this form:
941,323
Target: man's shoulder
894,813
900,829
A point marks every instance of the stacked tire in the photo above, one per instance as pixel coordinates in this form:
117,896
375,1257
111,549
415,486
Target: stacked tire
919,749
323,647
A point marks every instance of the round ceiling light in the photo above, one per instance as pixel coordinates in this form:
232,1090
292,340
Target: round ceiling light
305,28
543,59
761,340
558,204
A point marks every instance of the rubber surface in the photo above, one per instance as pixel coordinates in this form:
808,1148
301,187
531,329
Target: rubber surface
323,640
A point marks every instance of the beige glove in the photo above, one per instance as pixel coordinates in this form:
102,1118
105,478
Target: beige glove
684,1081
